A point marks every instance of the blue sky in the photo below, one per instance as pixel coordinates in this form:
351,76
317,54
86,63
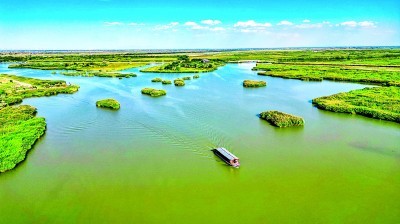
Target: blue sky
156,24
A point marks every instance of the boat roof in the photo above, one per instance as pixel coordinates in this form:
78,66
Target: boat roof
226,153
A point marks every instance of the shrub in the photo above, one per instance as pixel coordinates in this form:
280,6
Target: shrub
156,80
166,82
196,76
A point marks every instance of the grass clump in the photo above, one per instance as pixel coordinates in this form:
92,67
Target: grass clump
196,76
281,119
378,102
254,83
108,103
154,92
186,78
19,130
179,82
156,80
166,82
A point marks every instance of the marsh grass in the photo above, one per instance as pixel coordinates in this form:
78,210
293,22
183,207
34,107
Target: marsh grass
154,92
19,130
281,119
378,102
254,83
108,103
179,82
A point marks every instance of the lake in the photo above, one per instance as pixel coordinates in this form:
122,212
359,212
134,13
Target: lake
150,161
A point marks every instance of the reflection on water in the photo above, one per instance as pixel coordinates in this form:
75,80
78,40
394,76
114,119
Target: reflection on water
96,165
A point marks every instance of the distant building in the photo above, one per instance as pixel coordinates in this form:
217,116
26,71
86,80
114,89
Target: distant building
205,61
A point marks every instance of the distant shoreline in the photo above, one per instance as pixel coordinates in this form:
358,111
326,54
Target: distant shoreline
200,50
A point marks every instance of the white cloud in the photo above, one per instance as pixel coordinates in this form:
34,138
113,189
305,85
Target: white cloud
349,23
190,23
358,24
166,26
285,23
306,21
251,23
113,23
196,26
211,22
367,24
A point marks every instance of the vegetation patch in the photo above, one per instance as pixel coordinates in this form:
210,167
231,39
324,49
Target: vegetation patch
154,92
281,119
186,78
15,88
79,63
19,130
196,76
179,82
378,102
108,103
254,83
166,82
156,80
360,74
184,64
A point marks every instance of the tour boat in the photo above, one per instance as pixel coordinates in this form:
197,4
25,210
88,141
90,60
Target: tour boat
227,156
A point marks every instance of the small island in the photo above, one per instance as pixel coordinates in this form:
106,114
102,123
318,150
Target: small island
254,83
186,78
179,82
196,76
281,119
166,82
154,92
156,80
108,103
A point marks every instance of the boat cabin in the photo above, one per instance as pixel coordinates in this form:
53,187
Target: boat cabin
227,156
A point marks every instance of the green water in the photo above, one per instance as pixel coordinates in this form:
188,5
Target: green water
150,162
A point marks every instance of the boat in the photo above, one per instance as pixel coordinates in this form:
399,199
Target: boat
227,156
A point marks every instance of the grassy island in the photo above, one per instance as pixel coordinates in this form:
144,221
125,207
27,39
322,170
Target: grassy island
186,78
378,75
196,76
166,82
19,130
179,82
156,80
184,64
254,83
108,103
281,119
19,127
378,102
154,92
15,88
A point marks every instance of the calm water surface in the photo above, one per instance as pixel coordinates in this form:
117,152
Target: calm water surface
150,162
